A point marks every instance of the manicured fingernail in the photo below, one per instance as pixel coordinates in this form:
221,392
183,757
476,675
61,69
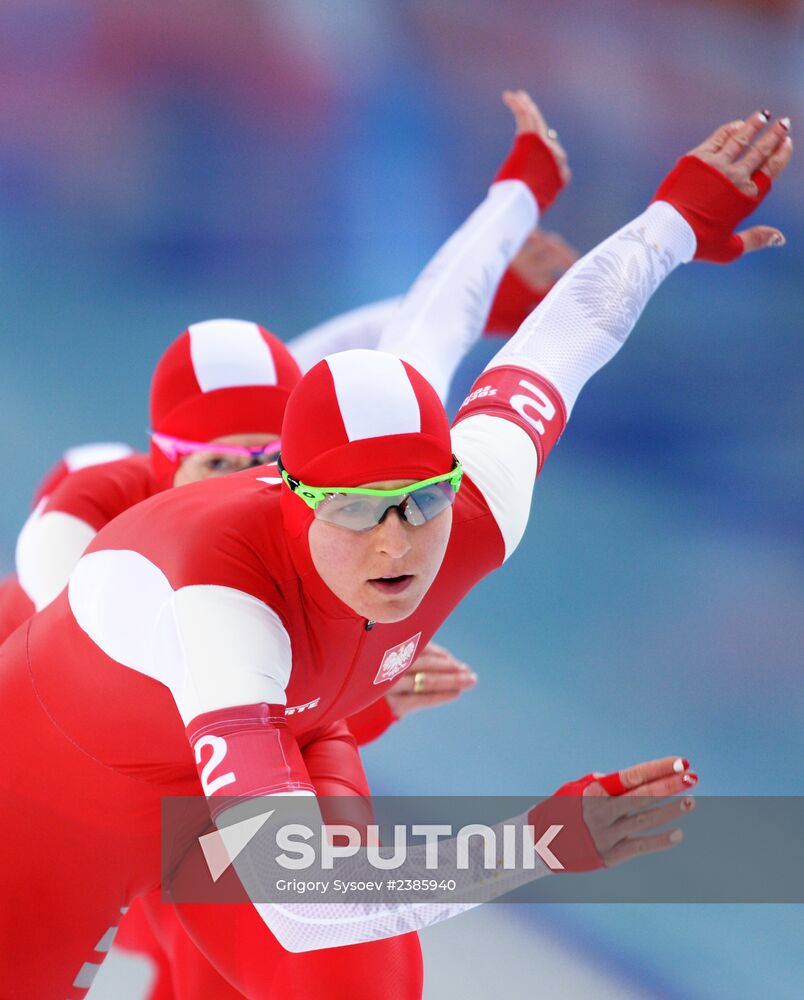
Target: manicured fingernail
785,123
777,240
690,779
765,115
687,805
675,836
473,676
680,764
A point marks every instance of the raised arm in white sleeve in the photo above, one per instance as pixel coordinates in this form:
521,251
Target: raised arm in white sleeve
586,318
444,313
528,389
511,419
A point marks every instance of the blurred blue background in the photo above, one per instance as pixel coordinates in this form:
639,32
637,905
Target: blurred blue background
162,164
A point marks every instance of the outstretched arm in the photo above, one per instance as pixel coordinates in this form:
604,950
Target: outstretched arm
589,314
544,257
589,823
533,382
455,298
446,310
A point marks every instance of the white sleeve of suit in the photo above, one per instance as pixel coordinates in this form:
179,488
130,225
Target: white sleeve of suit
180,637
587,316
48,548
510,419
444,313
359,328
311,926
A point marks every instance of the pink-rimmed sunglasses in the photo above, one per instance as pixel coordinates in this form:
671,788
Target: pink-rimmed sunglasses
174,448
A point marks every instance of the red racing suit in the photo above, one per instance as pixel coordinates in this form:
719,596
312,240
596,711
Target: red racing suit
196,613
93,677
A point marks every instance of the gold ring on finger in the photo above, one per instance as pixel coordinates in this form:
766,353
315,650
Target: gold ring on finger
418,681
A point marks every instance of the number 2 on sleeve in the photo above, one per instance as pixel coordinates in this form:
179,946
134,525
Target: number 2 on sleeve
219,748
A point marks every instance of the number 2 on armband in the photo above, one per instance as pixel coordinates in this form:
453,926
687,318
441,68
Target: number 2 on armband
219,748
537,400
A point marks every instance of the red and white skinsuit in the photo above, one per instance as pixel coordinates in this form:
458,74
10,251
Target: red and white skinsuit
199,612
512,302
202,390
191,399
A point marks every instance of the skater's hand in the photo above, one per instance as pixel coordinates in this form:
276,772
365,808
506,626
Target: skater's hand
618,821
740,148
604,819
544,257
435,678
528,118
723,180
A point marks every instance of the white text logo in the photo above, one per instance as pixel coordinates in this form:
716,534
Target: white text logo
295,709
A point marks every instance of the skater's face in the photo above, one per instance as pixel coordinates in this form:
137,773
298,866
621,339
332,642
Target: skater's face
209,464
382,574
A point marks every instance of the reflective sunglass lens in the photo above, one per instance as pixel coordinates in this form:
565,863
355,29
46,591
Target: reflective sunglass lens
362,512
431,500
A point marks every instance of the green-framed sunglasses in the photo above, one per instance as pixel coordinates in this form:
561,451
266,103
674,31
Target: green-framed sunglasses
360,508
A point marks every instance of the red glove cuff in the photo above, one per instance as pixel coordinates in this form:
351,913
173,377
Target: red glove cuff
573,846
712,205
532,162
514,302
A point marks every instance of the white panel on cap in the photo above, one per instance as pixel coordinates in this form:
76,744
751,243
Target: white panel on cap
85,455
230,352
374,393
500,459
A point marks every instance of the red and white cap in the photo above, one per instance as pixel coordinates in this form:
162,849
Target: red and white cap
364,416
220,377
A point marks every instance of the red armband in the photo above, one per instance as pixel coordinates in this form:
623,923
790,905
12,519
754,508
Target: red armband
514,302
247,750
712,206
532,161
523,397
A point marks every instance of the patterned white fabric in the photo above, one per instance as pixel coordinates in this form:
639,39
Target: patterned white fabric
303,927
589,313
